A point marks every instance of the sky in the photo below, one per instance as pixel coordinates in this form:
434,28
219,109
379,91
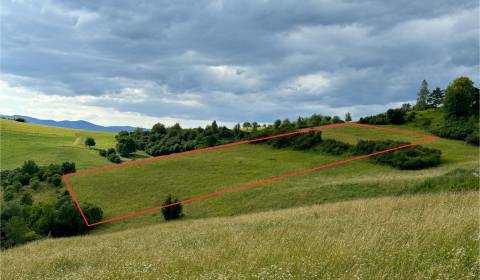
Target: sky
141,62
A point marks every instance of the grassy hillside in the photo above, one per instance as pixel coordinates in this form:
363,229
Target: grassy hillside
47,144
127,189
423,237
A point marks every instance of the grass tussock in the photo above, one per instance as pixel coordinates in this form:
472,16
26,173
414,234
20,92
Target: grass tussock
422,237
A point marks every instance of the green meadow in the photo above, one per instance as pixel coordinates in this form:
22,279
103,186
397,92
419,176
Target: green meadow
357,220
47,144
142,186
431,236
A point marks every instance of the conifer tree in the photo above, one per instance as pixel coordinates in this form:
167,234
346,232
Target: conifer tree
422,96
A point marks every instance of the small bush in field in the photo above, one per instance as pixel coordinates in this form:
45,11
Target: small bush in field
174,211
68,167
102,152
90,142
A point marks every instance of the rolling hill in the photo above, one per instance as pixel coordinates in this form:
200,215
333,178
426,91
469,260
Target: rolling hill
137,187
372,238
422,237
82,125
47,144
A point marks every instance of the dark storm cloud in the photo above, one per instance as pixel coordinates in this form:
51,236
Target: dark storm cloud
237,60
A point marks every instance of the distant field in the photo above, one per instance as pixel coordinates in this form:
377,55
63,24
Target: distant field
421,237
47,144
127,189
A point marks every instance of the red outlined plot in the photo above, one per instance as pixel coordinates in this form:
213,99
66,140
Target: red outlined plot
428,138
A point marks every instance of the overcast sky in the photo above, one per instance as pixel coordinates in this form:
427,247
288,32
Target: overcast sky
140,62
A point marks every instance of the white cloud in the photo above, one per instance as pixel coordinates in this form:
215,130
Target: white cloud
202,60
24,101
312,84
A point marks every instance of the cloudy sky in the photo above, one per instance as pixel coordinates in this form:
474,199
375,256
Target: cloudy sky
139,62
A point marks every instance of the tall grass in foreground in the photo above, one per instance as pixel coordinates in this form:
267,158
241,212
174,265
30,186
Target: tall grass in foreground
419,237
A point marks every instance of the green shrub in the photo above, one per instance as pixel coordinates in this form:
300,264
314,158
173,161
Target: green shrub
110,151
102,152
30,167
306,140
335,147
16,186
41,218
68,220
473,138
23,178
113,157
17,232
90,142
395,116
8,195
125,146
415,157
172,212
6,177
454,129
376,119
55,180
34,183
50,170
92,213
68,167
27,199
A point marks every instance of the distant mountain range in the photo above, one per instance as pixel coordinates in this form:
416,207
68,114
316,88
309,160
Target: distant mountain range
72,124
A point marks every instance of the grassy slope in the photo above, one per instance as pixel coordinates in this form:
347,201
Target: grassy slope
47,144
421,237
143,186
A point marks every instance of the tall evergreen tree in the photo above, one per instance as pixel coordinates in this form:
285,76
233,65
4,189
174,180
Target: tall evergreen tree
214,126
236,129
348,117
435,98
422,96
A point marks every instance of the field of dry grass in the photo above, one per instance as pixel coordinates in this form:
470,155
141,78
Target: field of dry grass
418,237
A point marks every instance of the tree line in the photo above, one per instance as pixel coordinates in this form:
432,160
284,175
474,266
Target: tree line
162,140
458,105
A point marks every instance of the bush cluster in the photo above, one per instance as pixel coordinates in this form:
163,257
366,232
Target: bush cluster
335,147
459,129
110,154
21,223
391,116
301,141
22,220
30,174
416,157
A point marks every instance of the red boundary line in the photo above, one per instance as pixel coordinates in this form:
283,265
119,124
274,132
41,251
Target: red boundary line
429,138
